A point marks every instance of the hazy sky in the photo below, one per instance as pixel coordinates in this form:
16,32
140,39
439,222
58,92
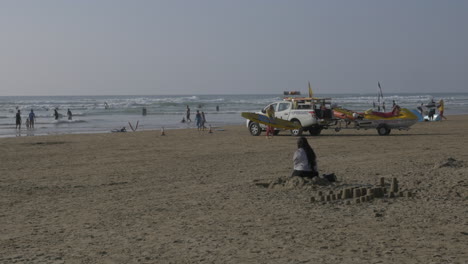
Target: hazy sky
90,47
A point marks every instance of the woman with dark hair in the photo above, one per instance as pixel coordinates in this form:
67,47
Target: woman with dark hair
305,163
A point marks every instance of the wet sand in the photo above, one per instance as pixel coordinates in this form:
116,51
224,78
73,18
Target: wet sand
194,197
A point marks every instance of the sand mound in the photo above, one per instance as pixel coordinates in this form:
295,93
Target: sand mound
297,183
449,163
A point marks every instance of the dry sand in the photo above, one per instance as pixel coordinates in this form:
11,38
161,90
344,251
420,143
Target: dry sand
191,197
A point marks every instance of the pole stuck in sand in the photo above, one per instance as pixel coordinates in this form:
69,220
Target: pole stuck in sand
210,131
162,131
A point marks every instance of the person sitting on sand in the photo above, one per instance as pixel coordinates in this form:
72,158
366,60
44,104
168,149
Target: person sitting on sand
305,160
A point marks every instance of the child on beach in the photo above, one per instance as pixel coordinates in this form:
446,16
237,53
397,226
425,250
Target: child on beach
305,160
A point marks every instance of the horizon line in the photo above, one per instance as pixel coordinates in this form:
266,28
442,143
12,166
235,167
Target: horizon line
202,94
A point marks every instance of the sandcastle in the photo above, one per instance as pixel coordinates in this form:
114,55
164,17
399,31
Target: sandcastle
348,195
359,195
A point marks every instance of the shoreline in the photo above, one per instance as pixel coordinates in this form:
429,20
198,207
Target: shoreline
30,133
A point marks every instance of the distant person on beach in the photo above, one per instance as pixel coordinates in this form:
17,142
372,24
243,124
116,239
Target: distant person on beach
32,119
421,110
441,107
393,104
432,109
305,160
383,106
69,114
396,110
217,108
106,106
18,120
56,114
188,114
198,119
271,115
203,120
431,114
27,123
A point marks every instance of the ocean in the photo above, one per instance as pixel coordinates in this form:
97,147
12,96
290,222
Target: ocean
92,114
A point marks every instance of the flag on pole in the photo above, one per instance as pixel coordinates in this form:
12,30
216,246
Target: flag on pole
380,94
380,87
310,91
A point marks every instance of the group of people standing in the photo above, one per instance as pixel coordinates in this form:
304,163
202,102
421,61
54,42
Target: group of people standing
31,119
200,118
431,109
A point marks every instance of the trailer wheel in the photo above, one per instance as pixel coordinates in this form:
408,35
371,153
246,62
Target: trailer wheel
298,131
383,130
315,131
255,129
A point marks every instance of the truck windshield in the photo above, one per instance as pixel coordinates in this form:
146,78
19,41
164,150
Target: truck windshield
283,106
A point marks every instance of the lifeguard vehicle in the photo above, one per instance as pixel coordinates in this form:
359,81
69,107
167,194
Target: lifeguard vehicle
310,114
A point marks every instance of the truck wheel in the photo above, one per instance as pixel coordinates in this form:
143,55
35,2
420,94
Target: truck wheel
315,131
255,129
383,130
298,131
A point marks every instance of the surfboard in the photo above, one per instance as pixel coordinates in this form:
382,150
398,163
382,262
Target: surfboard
263,119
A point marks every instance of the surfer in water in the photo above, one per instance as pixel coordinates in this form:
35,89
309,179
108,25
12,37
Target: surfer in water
188,114
69,114
56,114
305,160
271,115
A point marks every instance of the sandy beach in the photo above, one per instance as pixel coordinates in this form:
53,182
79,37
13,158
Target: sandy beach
195,197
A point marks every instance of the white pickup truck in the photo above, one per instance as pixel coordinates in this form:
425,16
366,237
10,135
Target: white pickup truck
313,114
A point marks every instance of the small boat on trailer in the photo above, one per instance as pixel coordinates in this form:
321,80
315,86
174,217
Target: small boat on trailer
402,119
